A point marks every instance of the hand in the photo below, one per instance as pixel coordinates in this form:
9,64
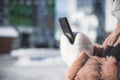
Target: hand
111,44
70,51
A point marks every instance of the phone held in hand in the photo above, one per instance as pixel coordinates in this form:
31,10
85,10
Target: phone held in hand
66,28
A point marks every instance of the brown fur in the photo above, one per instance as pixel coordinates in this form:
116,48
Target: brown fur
109,69
95,68
82,58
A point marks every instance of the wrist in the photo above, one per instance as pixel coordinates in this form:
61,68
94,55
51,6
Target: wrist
118,26
117,29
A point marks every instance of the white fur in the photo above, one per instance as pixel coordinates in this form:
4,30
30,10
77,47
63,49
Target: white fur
70,51
116,9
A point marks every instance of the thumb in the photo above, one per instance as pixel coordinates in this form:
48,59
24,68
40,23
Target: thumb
79,38
84,43
79,62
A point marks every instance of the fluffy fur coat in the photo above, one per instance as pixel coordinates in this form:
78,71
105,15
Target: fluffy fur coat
93,68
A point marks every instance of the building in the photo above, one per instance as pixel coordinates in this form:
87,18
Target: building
30,14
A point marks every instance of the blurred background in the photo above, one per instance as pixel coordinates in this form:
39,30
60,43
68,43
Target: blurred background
30,34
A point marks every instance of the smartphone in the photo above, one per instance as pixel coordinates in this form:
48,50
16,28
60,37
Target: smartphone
66,28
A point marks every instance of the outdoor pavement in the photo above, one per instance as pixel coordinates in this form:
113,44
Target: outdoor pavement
17,67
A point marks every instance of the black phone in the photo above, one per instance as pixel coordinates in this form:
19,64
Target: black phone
66,28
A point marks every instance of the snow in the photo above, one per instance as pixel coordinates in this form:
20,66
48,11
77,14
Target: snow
26,61
8,32
37,56
33,64
23,29
35,52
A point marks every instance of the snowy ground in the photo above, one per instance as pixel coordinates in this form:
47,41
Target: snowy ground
33,64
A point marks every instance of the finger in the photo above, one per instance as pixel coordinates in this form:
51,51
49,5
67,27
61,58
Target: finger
107,41
80,61
115,51
110,41
80,38
117,42
113,39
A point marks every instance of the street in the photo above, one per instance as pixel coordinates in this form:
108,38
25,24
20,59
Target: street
50,68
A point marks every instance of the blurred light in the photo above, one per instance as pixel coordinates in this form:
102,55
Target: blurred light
0,15
50,2
36,2
21,2
14,2
45,12
6,2
29,2
5,10
43,2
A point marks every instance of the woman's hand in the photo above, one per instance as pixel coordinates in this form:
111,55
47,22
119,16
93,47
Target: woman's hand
111,45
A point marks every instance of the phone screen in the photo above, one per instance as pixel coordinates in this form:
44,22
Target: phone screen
66,28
